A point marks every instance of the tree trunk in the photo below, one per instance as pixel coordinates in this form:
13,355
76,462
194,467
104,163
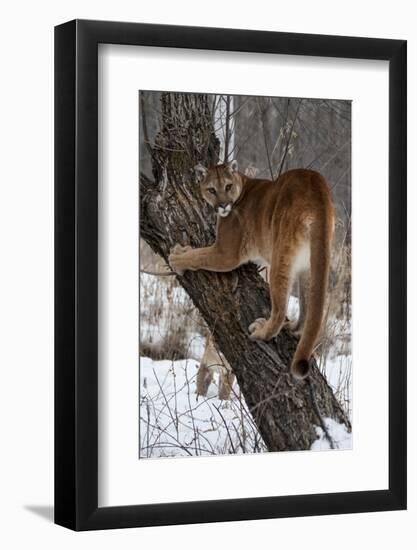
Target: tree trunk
285,411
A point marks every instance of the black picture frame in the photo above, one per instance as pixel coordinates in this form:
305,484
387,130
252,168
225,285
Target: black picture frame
76,271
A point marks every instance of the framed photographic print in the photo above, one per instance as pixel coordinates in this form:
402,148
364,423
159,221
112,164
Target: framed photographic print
230,275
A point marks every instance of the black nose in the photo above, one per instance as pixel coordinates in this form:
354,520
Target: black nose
222,204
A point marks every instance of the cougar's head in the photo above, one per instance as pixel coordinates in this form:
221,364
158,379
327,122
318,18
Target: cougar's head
220,186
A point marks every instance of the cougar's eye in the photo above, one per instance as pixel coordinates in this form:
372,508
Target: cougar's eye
228,187
211,190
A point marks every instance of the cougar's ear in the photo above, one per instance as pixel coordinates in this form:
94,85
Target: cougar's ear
232,166
200,172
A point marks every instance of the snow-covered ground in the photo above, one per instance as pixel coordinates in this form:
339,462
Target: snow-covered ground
174,422
341,438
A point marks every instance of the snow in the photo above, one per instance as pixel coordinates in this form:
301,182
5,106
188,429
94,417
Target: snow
338,433
174,422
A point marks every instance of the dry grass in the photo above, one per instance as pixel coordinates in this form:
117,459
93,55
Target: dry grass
168,317
334,349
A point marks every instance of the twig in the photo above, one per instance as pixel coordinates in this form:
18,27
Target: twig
164,431
262,113
227,129
227,428
242,421
340,178
289,139
164,396
158,274
195,429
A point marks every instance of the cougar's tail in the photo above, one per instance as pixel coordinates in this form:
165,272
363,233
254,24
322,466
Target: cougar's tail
321,235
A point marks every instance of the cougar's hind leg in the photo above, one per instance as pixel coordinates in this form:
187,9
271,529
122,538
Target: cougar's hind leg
303,281
280,282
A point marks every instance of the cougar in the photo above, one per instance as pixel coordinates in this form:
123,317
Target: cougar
286,224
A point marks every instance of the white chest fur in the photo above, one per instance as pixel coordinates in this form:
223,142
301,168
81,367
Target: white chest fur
301,260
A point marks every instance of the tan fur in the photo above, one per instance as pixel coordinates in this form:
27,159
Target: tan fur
287,224
212,363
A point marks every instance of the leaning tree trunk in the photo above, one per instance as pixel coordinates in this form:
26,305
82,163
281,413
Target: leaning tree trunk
285,411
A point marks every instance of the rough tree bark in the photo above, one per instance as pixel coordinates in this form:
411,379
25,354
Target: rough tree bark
171,211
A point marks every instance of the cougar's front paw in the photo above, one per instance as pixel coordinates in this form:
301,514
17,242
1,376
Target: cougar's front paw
176,258
179,249
258,330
